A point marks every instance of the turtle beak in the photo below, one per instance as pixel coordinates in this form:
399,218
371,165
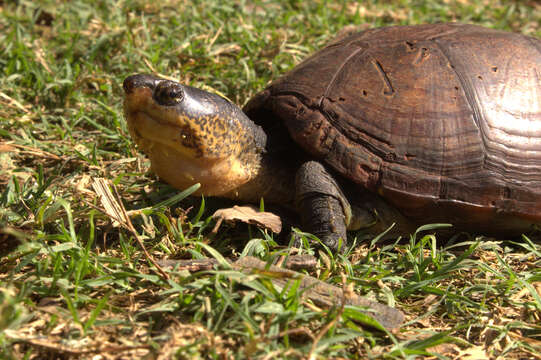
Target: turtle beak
140,80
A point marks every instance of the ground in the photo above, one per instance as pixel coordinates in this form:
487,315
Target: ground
75,281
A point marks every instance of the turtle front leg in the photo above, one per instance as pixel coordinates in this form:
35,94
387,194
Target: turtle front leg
324,210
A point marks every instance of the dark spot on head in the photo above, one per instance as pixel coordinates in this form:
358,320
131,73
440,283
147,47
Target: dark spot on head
188,139
479,77
495,68
456,88
365,93
341,99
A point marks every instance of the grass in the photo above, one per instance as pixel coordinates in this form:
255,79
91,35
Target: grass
72,285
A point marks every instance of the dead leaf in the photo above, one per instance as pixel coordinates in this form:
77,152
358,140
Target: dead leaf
110,205
249,215
473,353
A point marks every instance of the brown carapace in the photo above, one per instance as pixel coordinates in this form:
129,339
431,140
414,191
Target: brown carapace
443,121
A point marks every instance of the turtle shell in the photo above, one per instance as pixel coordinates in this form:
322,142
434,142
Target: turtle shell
443,121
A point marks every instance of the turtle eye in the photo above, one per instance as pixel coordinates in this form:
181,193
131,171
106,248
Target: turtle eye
168,93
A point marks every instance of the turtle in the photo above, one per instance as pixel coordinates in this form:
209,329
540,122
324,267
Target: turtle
403,125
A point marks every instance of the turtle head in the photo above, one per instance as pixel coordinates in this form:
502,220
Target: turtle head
192,136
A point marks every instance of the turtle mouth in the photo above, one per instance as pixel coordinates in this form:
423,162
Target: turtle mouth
143,126
177,164
147,130
188,134
150,109
150,131
160,111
